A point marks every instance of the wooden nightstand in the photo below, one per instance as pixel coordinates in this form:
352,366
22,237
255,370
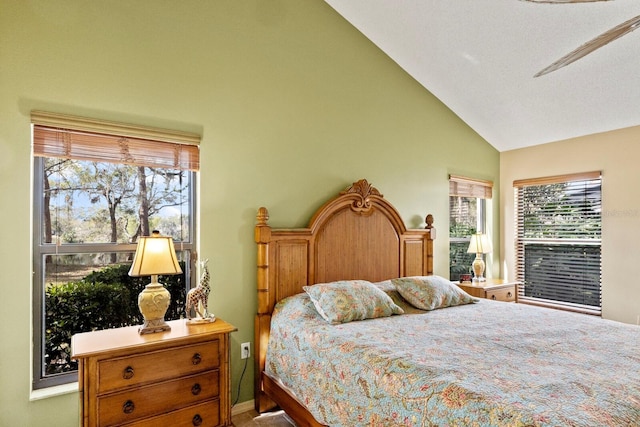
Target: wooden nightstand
495,289
174,378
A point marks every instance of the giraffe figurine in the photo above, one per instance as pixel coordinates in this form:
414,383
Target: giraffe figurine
198,299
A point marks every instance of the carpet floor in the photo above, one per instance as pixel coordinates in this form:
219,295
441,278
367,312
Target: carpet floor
270,419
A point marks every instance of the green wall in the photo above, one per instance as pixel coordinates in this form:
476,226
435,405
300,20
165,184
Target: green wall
293,104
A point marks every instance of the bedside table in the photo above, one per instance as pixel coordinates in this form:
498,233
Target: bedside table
173,378
495,289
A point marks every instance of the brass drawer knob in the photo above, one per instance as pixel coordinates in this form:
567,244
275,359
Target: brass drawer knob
509,294
196,359
196,389
128,407
493,297
127,374
197,420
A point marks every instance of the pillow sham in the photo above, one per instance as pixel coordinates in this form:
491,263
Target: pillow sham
348,300
431,292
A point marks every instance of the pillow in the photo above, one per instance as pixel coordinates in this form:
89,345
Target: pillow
389,288
431,292
348,300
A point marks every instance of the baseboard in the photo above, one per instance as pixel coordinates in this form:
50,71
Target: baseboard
241,407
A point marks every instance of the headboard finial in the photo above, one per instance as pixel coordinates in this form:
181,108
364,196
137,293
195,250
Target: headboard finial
430,227
429,221
262,217
365,190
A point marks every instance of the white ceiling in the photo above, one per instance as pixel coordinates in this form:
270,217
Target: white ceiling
479,57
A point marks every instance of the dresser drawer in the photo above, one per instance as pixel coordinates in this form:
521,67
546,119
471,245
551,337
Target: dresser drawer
205,414
504,294
115,374
127,406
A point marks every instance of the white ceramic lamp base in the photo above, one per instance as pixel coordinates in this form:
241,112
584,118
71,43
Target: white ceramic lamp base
478,269
153,303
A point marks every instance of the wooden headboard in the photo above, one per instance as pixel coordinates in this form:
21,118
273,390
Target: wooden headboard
356,235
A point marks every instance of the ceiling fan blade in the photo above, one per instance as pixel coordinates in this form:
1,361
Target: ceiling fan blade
591,45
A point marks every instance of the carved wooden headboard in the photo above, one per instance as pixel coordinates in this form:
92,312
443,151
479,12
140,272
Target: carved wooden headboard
356,235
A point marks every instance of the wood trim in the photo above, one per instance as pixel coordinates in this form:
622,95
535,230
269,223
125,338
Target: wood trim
242,407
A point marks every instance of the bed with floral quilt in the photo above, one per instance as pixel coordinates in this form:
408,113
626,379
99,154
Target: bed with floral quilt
480,363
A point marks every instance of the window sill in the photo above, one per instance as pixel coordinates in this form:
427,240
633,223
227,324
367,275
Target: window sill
58,390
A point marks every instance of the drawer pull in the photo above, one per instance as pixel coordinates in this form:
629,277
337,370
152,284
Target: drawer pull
493,297
197,420
127,374
509,294
196,389
128,407
196,359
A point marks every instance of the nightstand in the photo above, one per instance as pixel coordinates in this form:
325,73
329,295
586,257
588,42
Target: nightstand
173,378
495,289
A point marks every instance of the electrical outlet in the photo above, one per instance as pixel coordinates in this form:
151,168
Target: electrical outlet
245,348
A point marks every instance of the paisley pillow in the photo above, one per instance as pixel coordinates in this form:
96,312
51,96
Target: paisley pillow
431,292
348,300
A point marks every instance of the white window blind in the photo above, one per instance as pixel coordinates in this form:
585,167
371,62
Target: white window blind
558,241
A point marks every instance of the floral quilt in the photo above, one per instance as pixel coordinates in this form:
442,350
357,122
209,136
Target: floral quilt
483,364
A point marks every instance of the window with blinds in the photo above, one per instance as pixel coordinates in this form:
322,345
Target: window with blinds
558,241
98,187
467,215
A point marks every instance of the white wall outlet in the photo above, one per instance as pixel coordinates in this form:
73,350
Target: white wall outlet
245,348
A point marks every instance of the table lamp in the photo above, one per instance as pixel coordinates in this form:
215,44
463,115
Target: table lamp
155,255
480,244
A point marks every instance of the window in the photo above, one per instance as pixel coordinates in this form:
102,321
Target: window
467,216
558,238
98,186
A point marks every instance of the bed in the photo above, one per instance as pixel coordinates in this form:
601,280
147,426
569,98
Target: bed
470,362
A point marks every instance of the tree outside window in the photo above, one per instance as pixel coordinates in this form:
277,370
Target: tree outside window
88,216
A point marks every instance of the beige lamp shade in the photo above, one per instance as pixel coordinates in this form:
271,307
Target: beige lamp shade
480,244
155,255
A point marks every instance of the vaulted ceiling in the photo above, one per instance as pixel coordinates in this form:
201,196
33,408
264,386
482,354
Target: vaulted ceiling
479,57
